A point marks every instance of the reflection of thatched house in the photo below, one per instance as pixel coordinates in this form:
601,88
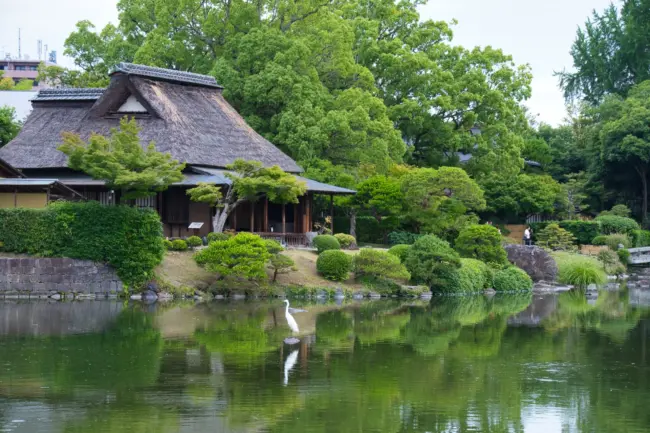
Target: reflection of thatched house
186,115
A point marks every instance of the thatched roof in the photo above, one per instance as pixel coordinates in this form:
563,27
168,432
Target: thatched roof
187,116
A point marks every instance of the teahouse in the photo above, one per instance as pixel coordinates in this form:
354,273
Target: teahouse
186,115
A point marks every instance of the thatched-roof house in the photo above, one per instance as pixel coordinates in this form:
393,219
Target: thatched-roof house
186,115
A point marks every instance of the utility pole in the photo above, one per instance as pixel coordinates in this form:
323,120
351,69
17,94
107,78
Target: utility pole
19,48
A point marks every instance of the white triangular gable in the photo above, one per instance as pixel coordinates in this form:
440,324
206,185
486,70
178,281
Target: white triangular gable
132,105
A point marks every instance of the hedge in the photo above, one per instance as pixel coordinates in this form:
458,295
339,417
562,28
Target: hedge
334,265
610,224
584,231
512,279
129,239
641,238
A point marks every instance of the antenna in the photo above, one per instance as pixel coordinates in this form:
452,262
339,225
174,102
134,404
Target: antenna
19,49
45,58
39,49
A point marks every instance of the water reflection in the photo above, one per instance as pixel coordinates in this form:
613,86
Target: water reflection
469,364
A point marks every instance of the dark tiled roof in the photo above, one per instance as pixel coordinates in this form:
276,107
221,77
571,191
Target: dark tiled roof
68,95
167,74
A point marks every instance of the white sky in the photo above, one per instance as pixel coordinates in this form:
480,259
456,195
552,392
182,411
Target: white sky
533,32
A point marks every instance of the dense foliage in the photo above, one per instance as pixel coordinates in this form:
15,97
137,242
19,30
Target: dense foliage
610,224
128,239
194,241
378,264
345,240
583,231
334,265
399,251
473,276
179,245
512,279
431,261
579,271
281,264
239,259
641,238
555,238
9,125
326,242
482,242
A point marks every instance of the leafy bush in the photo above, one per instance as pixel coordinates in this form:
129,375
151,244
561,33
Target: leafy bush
380,264
610,224
240,258
618,210
215,237
129,239
624,256
194,241
555,238
273,247
334,265
481,242
614,240
641,238
579,271
584,231
474,275
281,264
345,240
399,251
168,244
611,262
368,230
512,279
402,238
325,243
599,240
430,261
179,245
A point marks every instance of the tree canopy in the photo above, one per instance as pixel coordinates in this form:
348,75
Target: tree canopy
9,125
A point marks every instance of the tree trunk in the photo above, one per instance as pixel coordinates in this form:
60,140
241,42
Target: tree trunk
220,218
353,223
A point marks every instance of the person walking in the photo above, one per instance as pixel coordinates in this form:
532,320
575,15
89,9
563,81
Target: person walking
527,238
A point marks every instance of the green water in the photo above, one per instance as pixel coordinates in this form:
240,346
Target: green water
506,364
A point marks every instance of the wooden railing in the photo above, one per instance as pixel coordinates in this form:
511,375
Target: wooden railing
287,239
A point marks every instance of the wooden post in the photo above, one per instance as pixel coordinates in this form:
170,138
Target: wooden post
332,212
266,215
252,217
284,218
47,197
15,197
295,218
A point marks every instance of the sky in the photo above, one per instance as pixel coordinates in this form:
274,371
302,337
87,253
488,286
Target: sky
533,32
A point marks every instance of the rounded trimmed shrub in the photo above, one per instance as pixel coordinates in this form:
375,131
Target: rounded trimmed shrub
179,245
599,240
168,244
610,224
481,242
378,264
194,241
215,237
273,247
345,240
472,275
325,243
430,261
334,265
402,238
512,279
399,251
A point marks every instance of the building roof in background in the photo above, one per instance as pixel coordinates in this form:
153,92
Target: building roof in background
6,170
166,75
38,185
187,116
68,95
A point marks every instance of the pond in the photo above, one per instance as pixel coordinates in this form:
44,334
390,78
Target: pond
515,363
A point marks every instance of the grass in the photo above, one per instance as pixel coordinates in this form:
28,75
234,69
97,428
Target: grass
579,270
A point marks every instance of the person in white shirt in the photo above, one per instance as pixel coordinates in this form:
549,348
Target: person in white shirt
527,239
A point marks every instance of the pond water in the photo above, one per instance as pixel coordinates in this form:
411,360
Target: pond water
517,363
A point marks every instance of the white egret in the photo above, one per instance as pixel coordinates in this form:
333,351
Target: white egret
288,365
290,320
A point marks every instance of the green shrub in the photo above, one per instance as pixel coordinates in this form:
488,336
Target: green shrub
368,229
512,279
242,258
578,270
555,238
326,242
624,256
399,251
345,240
611,262
641,238
599,240
474,275
129,239
179,245
614,240
168,244
610,224
379,264
273,247
584,231
194,241
281,264
481,242
618,210
402,238
215,237
429,261
334,265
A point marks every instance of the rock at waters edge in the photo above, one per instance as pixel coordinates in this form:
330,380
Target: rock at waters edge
535,261
291,341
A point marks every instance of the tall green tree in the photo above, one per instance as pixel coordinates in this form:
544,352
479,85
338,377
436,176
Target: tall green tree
9,125
122,162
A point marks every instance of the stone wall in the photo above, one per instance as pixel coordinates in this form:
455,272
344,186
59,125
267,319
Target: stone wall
31,276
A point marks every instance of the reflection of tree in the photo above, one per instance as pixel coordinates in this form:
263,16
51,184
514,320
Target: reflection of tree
373,324
137,417
334,328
